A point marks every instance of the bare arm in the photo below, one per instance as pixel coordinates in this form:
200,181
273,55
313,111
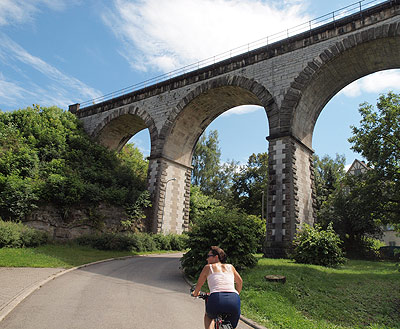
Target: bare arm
238,280
202,279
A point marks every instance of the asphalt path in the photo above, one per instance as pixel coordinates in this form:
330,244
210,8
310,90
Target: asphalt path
140,292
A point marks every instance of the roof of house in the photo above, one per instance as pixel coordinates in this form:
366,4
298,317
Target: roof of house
357,165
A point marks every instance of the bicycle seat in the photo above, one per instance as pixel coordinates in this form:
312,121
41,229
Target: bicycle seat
224,315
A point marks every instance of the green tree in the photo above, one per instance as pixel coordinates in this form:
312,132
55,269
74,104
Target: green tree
206,161
200,203
328,175
352,211
250,183
213,178
377,139
131,156
224,180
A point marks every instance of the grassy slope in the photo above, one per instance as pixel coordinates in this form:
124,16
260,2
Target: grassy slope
359,294
63,256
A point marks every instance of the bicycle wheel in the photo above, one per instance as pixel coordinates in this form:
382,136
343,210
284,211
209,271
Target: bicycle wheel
226,325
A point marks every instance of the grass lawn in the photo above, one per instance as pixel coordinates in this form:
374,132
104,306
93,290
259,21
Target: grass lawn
56,255
359,294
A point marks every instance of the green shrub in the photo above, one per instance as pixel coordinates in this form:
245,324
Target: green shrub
88,240
147,242
312,245
234,231
178,241
138,242
162,241
17,196
18,235
364,248
390,252
10,235
33,238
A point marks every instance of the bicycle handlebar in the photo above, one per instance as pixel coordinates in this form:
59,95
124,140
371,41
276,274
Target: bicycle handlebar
202,294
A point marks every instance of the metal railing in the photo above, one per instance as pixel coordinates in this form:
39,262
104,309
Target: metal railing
307,26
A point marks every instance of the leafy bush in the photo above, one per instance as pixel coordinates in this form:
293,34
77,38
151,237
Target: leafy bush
18,196
234,231
163,242
312,245
366,248
178,242
396,253
200,203
390,252
146,240
134,241
170,241
17,235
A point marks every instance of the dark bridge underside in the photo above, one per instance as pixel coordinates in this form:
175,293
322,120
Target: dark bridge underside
120,130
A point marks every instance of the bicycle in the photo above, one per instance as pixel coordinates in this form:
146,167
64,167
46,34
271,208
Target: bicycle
220,321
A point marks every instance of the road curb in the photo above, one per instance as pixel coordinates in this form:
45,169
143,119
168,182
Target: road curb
16,300
249,322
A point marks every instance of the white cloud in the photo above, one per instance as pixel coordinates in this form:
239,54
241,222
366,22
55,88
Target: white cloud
60,90
167,34
22,11
374,83
347,167
10,91
352,90
239,110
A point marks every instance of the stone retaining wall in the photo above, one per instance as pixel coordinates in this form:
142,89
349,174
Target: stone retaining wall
64,223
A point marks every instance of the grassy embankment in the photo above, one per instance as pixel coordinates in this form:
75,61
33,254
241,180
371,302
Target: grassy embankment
58,255
360,294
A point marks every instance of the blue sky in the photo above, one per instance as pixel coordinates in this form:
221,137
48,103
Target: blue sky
60,52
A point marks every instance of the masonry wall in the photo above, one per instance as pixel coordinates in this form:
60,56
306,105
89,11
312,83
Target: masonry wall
81,219
169,185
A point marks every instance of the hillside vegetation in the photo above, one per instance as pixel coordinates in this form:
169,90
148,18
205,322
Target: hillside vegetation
46,157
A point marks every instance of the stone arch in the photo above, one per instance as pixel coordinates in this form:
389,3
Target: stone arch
171,162
368,51
115,130
202,105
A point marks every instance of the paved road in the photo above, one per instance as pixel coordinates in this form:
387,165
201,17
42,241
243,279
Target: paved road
140,292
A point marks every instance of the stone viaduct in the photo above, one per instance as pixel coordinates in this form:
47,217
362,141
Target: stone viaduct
292,79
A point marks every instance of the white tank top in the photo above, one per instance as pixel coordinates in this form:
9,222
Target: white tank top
221,281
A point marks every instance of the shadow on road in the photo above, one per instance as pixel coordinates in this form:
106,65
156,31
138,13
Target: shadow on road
157,271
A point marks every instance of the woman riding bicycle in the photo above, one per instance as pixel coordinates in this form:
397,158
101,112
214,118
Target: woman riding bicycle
221,278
